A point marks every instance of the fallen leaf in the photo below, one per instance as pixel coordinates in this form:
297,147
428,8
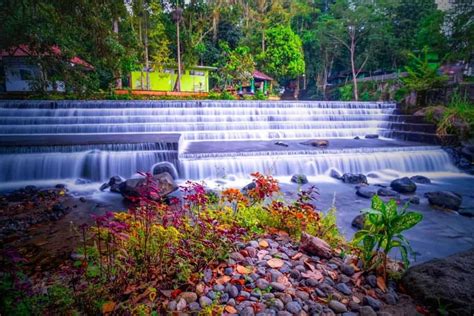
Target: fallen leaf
315,275
108,307
275,263
200,288
240,299
230,309
283,280
223,279
310,266
332,274
263,243
243,270
356,299
297,256
175,293
381,284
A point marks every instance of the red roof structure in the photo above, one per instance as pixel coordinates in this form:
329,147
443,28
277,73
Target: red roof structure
25,51
261,76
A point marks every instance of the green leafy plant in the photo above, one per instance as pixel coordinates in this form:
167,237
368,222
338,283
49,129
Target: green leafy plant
458,118
382,232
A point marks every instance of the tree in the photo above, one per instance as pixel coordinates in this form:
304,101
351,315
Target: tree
235,66
283,58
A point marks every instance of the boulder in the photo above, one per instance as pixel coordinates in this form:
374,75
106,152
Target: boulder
420,179
299,178
163,167
468,212
335,174
371,136
444,282
315,246
357,137
444,199
366,192
133,187
248,187
316,143
114,183
358,221
412,200
354,178
403,185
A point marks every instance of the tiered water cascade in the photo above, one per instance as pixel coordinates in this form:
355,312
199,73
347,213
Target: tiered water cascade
43,140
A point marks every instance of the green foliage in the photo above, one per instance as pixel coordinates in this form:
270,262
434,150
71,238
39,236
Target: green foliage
346,92
457,117
234,66
283,57
422,75
382,232
259,95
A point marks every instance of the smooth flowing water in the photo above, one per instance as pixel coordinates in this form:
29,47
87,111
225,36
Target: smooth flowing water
31,129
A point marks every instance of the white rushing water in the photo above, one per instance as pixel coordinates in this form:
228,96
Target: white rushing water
198,121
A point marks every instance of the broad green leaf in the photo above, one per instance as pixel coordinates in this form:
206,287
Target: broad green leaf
406,221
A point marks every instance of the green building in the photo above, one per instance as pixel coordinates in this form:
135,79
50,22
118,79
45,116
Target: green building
193,79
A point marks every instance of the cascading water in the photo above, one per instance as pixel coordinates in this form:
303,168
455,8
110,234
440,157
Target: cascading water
99,139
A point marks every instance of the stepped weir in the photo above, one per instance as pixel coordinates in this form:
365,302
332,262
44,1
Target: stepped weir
41,140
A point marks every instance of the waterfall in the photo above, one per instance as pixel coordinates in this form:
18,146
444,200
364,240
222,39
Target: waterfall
98,139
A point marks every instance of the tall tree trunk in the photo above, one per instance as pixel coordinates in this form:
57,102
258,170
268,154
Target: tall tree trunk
177,86
118,74
354,72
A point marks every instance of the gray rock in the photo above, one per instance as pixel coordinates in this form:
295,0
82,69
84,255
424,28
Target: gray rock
337,307
354,178
367,311
181,305
189,297
347,269
281,144
444,199
284,313
302,295
315,246
446,281
277,303
372,280
262,284
358,221
165,166
133,187
232,290
205,301
172,305
299,179
224,298
403,185
390,299
343,288
372,302
468,212
293,307
412,200
420,179
219,288
237,256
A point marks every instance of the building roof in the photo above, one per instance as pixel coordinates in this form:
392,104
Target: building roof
25,51
260,75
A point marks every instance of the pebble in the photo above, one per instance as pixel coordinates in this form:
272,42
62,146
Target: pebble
390,299
262,284
372,302
205,301
172,305
303,295
181,305
189,297
277,303
224,298
372,280
232,290
228,271
247,311
211,294
337,307
237,256
244,294
278,286
343,288
194,306
293,307
218,288
347,269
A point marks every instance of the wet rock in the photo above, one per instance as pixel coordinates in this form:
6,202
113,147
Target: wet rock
165,167
387,192
299,179
372,280
403,185
232,290
81,181
60,186
444,199
316,143
337,307
315,246
262,284
335,174
420,179
358,221
357,137
372,302
281,144
249,187
104,186
468,212
446,281
412,200
371,136
194,307
354,178
133,187
247,311
277,286
366,192
82,199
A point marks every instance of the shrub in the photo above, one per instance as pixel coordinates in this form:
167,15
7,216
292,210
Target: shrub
382,232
